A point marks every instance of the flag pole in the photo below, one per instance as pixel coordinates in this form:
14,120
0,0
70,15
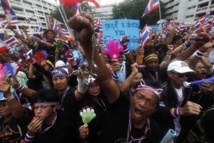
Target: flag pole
160,15
65,21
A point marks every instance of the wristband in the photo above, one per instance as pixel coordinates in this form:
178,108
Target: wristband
185,44
199,53
168,53
20,88
115,77
125,51
29,138
175,112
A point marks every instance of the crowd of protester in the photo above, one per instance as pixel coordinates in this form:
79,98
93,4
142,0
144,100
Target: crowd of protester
62,76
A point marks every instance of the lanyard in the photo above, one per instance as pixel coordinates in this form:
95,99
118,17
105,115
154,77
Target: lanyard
63,97
156,76
101,103
47,128
130,139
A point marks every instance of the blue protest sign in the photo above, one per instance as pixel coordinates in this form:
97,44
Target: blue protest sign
115,29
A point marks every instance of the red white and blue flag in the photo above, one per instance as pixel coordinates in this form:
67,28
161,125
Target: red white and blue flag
77,9
201,21
3,21
37,30
1,33
206,25
3,47
152,5
145,36
98,24
9,12
65,31
56,25
28,20
212,23
11,41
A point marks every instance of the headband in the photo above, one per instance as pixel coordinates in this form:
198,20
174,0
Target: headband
151,56
44,104
60,72
142,86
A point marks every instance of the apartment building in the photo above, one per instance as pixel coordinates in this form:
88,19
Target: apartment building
187,11
34,9
104,12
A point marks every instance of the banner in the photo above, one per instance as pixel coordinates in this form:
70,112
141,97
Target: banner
116,29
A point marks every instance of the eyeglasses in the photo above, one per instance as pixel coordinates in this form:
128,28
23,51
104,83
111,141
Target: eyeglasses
181,75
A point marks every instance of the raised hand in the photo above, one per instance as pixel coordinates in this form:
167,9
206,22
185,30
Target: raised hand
83,26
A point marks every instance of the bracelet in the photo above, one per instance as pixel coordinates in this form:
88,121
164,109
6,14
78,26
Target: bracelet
29,138
20,87
199,53
185,44
10,98
126,51
175,112
115,77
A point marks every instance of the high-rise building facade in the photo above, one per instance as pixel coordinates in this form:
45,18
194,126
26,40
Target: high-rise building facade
34,9
104,12
187,11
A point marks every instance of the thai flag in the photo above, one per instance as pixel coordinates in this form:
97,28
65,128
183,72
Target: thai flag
196,27
3,47
27,20
172,22
10,14
54,25
212,23
145,36
164,26
37,30
65,31
206,25
11,41
3,21
98,24
77,9
201,21
204,18
1,33
152,5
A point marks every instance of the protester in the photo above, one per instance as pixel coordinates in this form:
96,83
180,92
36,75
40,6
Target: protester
144,96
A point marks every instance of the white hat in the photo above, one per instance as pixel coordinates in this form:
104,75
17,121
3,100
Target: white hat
179,67
59,64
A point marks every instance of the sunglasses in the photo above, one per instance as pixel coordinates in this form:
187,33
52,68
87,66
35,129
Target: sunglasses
181,75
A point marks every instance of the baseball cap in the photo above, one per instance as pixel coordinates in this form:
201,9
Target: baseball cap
179,67
59,64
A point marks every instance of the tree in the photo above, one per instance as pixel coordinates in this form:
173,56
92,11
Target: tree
133,9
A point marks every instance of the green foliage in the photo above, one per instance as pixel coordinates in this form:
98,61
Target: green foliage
133,9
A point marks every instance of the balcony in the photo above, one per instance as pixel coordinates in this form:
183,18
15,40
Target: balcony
18,2
211,6
172,3
202,9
